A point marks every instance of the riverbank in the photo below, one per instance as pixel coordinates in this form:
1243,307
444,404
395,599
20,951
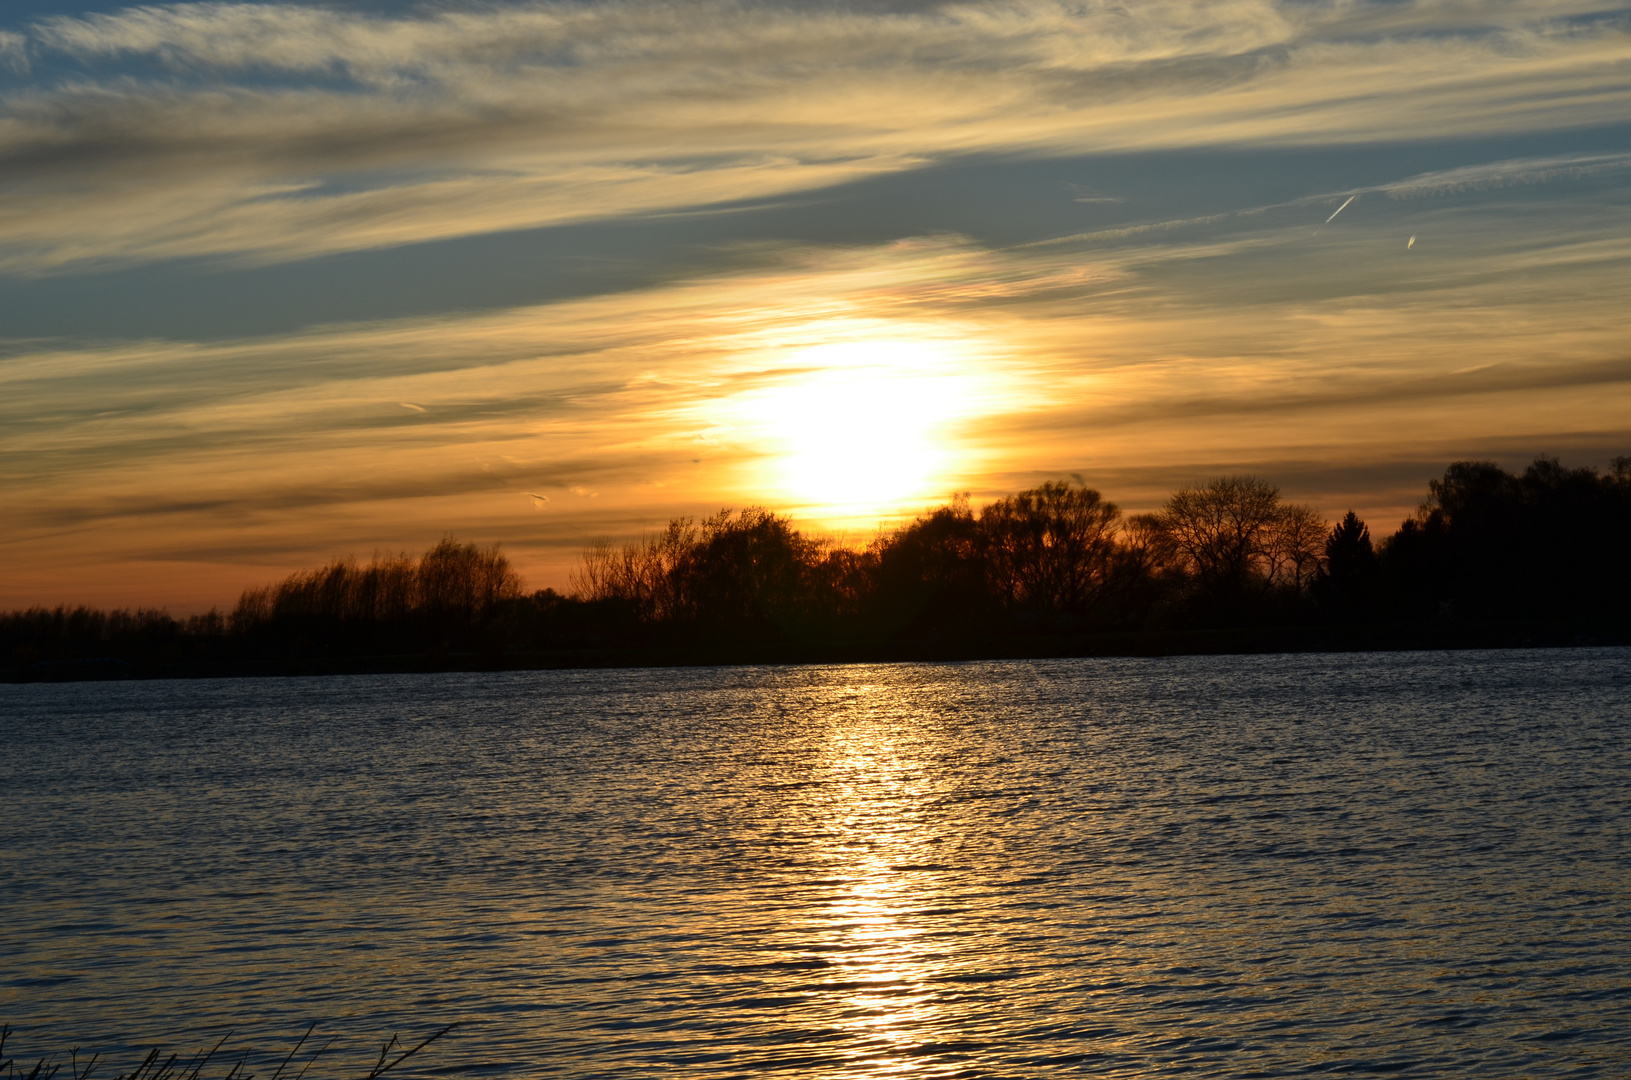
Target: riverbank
945,648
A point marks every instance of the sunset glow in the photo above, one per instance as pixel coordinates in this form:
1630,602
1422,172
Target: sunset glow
349,280
868,425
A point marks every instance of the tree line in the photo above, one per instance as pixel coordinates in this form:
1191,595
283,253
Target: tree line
1544,548
1550,544
393,604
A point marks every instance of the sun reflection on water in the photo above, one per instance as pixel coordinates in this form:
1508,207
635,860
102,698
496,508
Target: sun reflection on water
888,1008
873,925
1117,868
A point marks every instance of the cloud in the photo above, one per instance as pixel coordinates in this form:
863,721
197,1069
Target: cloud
269,132
1498,174
14,51
1102,342
1133,365
713,35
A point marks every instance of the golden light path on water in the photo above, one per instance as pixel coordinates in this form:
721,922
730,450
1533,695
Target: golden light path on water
1225,867
891,1008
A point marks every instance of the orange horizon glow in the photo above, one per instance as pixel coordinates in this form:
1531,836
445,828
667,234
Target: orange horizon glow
538,274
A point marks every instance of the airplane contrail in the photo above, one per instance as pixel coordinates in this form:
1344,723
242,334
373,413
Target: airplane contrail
1341,208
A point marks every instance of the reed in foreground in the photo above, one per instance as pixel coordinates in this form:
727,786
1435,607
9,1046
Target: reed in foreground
157,1066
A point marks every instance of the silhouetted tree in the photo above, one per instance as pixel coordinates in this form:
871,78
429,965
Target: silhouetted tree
74,642
1235,541
463,580
644,575
1221,533
1299,546
1547,548
1548,545
1347,588
840,589
747,573
931,574
1146,572
1050,549
1474,514
393,602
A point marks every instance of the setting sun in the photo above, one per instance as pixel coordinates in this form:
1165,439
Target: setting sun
863,424
834,539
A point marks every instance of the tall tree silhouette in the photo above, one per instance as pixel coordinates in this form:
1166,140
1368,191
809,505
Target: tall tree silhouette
1235,540
1348,586
1050,548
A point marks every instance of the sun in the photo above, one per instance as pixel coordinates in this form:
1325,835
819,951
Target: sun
863,424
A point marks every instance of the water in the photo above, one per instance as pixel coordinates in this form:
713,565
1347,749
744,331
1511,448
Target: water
1221,866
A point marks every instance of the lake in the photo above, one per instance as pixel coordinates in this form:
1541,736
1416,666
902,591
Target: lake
1225,866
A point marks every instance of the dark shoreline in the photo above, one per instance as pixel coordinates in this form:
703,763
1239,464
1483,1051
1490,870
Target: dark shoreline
1492,560
947,649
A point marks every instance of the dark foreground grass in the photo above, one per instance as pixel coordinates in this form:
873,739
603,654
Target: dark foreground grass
157,1066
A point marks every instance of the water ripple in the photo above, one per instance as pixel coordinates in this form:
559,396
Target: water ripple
1227,866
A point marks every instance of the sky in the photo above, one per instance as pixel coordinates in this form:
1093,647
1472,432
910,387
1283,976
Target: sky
285,282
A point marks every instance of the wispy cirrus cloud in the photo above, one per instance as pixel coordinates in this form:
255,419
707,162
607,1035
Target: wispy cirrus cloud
1253,342
1498,174
14,52
1120,259
269,132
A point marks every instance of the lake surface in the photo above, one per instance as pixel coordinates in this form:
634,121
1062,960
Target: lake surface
1219,866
